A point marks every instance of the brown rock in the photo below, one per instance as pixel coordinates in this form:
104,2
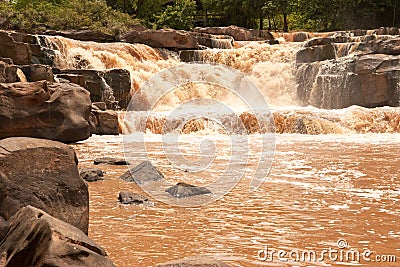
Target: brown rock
238,33
8,73
52,111
99,82
104,122
34,239
43,174
165,38
316,53
37,72
85,35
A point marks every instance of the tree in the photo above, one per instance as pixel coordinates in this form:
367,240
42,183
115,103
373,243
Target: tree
178,16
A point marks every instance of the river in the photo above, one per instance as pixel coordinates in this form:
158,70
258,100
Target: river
332,190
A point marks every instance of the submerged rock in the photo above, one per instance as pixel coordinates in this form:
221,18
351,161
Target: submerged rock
182,190
92,175
199,261
34,238
142,173
55,111
43,174
126,197
111,161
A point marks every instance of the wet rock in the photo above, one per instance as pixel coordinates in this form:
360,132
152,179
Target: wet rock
316,53
37,72
165,38
111,161
199,261
301,36
104,122
22,48
92,175
84,35
238,33
99,106
142,173
52,111
34,238
214,41
43,174
104,86
126,197
8,73
182,190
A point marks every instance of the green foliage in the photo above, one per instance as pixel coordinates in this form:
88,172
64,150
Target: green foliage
178,16
39,15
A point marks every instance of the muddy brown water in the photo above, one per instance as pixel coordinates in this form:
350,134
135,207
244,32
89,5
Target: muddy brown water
321,189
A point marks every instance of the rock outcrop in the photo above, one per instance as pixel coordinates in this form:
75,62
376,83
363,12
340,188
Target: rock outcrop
165,38
34,238
84,35
199,261
43,110
142,173
341,71
23,49
43,174
111,86
182,190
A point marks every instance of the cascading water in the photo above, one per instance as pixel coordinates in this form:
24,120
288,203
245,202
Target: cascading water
272,68
321,188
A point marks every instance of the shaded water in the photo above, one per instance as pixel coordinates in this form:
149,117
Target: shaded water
320,189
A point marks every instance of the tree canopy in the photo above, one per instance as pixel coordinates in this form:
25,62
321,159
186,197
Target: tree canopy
115,16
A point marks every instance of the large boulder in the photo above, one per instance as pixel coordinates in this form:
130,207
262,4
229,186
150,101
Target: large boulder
52,111
199,261
108,86
43,174
84,35
142,173
165,38
364,80
34,239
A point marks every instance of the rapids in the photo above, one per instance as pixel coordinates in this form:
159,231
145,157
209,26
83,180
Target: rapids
334,174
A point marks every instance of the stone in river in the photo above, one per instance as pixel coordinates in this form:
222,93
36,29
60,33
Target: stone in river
126,197
111,161
144,172
182,190
92,175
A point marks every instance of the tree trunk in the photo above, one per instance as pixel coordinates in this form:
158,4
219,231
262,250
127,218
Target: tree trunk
261,23
285,23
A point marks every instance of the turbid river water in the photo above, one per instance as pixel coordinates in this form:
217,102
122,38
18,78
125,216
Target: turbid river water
330,198
321,189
